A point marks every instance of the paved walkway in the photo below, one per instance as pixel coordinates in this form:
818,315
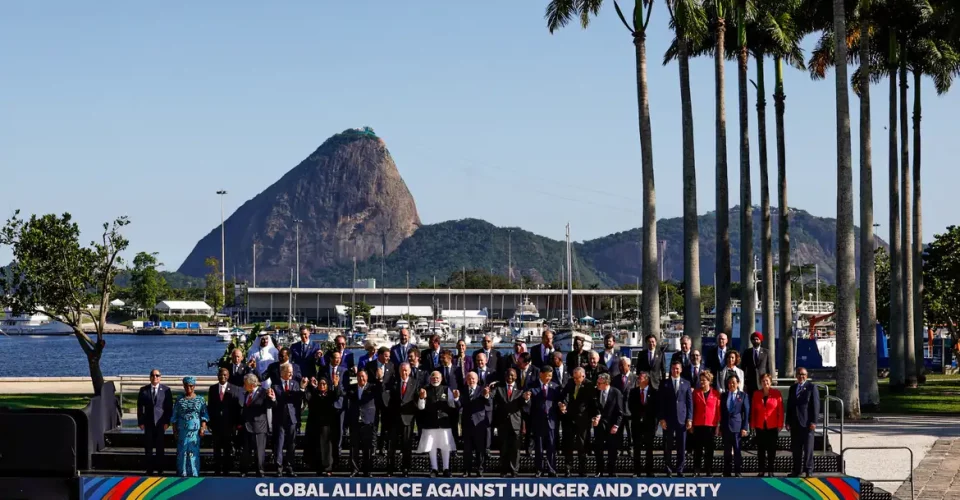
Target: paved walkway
938,476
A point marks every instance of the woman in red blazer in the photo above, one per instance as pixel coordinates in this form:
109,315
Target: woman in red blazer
766,418
706,424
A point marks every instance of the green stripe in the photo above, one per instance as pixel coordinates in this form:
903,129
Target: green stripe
787,487
179,488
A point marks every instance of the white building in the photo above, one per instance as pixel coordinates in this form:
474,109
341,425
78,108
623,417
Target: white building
184,307
473,317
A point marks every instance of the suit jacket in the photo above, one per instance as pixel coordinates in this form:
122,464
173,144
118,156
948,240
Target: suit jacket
528,377
361,408
753,368
398,354
288,404
611,412
403,406
654,369
576,359
342,371
539,356
154,414
581,406
508,411
222,413
325,410
476,411
617,383
713,359
803,408
613,364
426,359
464,365
544,409
493,359
720,381
644,411
486,375
237,372
272,373
302,356
253,416
385,385
593,373
346,359
420,373
362,362
689,375
684,359
735,419
676,406
561,379
706,408
450,377
769,414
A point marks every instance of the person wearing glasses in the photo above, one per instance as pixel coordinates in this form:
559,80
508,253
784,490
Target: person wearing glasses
154,409
803,406
189,422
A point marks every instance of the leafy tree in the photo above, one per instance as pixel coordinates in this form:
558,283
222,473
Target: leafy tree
882,265
941,280
214,290
53,274
146,283
359,309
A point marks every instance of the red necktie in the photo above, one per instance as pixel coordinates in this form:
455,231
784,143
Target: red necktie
510,392
403,389
642,397
221,393
624,381
249,399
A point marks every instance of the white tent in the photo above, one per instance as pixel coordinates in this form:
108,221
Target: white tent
183,307
474,317
392,311
117,303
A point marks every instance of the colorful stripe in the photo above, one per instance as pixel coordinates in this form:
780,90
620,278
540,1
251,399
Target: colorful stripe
141,490
835,488
116,493
137,488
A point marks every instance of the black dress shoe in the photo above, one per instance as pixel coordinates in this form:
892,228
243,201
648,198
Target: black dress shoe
466,474
669,474
808,475
650,474
354,473
552,474
433,473
679,474
598,475
447,473
243,474
538,474
290,473
260,474
738,475
279,473
761,474
405,473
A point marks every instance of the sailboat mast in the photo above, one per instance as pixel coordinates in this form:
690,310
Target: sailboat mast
570,280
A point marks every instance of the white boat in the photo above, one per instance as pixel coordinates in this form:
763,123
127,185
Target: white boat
402,323
421,327
224,334
359,325
379,337
526,323
32,324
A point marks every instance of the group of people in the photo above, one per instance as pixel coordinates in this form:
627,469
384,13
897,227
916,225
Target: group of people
578,403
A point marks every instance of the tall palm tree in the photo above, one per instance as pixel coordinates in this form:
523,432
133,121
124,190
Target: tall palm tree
560,13
897,373
724,317
747,283
689,23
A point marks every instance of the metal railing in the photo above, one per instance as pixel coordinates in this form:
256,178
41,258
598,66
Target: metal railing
826,420
843,452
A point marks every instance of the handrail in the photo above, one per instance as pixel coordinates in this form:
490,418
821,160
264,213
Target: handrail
826,421
844,451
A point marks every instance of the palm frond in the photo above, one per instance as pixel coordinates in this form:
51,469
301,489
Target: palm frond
822,56
560,13
588,8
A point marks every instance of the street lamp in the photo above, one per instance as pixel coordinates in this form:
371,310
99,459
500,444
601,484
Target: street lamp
297,222
876,242
223,264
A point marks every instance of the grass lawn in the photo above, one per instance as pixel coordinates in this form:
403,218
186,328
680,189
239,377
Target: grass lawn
940,395
70,401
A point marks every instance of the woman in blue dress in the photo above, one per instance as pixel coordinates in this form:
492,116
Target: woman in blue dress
189,424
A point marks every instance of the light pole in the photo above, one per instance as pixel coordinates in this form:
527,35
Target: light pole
876,242
297,223
223,264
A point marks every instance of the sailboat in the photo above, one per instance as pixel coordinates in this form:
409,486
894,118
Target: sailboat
563,340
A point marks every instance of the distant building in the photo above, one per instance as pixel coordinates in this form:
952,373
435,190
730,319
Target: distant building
184,307
365,283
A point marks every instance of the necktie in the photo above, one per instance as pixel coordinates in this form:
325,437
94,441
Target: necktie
221,393
756,357
643,397
624,381
730,403
722,356
523,378
403,389
480,374
155,395
436,358
576,390
799,386
695,370
286,386
603,398
510,393
676,385
249,398
650,358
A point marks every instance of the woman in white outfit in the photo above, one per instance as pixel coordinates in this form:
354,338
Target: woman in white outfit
438,406
730,368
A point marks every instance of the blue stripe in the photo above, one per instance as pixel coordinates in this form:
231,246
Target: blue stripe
91,483
104,488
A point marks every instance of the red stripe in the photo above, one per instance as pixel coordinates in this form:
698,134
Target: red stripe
122,487
844,490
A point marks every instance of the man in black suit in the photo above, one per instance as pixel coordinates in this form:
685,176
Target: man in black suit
154,409
609,357
691,373
545,400
403,411
643,403
476,417
540,354
716,358
272,373
493,357
335,366
237,369
222,409
578,357
803,406
624,380
754,362
288,400
430,358
361,416
594,368
580,408
561,375
399,352
651,361
381,373
416,369
509,402
253,404
607,426
684,354
449,375
676,417
485,373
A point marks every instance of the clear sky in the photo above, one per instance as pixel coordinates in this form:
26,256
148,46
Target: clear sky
146,109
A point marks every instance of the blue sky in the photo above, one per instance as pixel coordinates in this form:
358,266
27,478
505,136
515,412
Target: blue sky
146,110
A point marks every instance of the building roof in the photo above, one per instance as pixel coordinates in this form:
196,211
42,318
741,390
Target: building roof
394,311
459,313
117,303
183,305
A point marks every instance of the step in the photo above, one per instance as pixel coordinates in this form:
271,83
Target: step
869,492
133,460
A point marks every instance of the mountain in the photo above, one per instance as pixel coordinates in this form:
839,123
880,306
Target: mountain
350,198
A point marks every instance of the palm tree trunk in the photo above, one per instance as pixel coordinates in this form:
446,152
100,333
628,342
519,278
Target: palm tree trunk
906,236
869,390
766,229
691,231
651,281
748,286
786,311
722,266
895,333
848,386
919,333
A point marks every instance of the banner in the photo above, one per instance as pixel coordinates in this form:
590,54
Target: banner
161,488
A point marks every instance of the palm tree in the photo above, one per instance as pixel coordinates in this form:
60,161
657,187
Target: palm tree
689,23
747,283
724,319
560,13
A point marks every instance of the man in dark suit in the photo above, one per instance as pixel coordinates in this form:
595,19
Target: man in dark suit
462,361
716,358
578,357
608,356
509,402
676,417
381,373
691,373
288,399
272,373
335,366
511,361
734,424
651,361
643,403
398,353
361,417
346,357
540,354
222,410
450,377
624,380
803,406
403,411
304,354
253,404
154,409
237,369
607,426
485,373
561,375
430,358
416,370
545,400
594,367
476,417
684,354
493,357
754,362
580,408
527,376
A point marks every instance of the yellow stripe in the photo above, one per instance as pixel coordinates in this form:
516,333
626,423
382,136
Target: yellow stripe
824,489
144,488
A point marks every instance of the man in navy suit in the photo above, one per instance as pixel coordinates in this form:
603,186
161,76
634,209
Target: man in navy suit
485,373
430,358
492,355
803,406
607,426
154,409
643,404
361,417
449,375
579,406
691,373
684,355
237,369
676,417
381,373
288,399
403,411
541,352
651,361
545,399
561,375
222,409
716,358
509,405
476,416
734,424
399,352
304,354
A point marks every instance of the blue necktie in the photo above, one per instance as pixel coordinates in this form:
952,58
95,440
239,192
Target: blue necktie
730,403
